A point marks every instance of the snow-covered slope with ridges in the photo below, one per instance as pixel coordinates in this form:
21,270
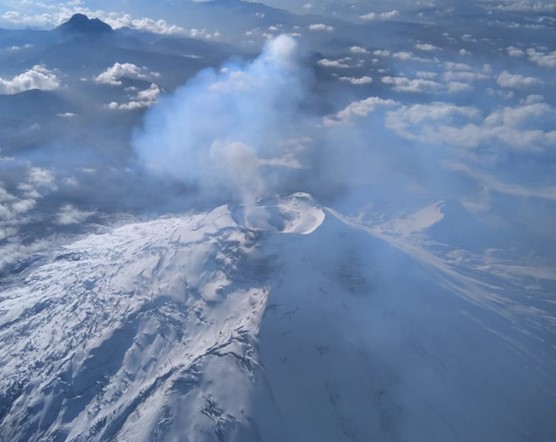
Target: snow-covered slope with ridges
283,322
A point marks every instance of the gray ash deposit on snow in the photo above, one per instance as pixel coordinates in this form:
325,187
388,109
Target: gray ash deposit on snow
201,328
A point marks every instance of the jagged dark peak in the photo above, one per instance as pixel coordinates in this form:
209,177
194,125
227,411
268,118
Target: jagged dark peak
80,23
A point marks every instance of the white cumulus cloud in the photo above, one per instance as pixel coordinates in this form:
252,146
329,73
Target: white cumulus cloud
412,85
388,15
321,27
357,81
507,80
144,24
427,47
464,75
544,59
116,72
141,100
356,109
38,77
515,52
327,63
358,50
42,178
445,123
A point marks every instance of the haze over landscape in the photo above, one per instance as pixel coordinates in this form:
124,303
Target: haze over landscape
228,220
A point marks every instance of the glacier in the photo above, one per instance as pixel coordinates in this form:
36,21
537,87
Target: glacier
286,321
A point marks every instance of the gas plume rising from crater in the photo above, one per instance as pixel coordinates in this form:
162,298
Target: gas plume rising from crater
218,131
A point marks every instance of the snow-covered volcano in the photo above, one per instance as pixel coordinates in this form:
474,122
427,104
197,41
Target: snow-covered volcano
287,322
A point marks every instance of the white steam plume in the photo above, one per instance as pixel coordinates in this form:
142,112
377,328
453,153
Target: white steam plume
222,127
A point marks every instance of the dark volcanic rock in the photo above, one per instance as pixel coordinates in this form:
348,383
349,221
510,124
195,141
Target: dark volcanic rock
81,24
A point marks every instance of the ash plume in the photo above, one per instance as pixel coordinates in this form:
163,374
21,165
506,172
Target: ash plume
224,127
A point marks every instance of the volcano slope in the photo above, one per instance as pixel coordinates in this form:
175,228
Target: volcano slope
288,321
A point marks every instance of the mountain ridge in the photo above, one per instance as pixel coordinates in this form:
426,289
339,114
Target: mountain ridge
81,24
239,325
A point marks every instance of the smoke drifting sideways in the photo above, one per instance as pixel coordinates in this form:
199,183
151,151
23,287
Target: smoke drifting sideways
233,133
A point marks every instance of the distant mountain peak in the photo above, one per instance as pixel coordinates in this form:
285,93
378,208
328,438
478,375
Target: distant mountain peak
80,23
